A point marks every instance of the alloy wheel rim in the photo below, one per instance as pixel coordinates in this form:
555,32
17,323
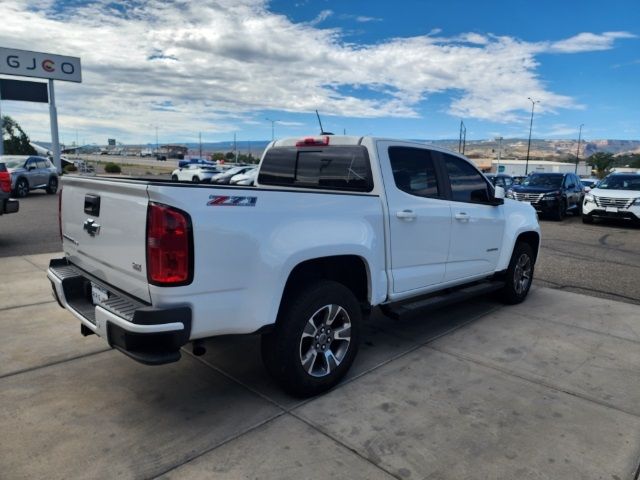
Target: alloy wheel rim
522,274
325,340
22,188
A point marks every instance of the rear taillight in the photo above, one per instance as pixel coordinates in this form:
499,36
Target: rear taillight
5,182
169,246
60,213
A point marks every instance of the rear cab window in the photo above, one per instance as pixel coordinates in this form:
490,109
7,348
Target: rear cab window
344,168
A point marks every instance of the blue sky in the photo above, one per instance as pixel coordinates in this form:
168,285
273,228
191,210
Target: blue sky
409,69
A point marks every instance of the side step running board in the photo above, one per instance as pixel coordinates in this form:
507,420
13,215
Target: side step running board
411,307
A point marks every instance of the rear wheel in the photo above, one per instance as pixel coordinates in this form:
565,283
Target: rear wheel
195,179
52,186
519,275
22,188
315,339
174,178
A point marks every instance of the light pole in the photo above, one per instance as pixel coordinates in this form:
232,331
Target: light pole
578,150
272,127
533,104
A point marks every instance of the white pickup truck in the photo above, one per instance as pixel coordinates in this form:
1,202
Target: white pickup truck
334,226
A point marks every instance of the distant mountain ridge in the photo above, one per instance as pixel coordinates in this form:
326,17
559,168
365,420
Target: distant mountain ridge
511,147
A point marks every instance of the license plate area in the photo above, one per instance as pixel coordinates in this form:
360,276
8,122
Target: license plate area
611,209
98,294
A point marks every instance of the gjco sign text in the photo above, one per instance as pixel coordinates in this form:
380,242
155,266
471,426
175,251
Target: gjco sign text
40,65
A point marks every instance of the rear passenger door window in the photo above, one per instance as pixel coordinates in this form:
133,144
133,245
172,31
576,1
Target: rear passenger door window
414,171
467,184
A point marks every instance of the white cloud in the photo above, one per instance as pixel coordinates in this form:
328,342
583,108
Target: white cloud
212,65
321,17
588,42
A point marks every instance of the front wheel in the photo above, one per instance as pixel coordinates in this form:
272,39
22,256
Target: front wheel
560,211
22,188
315,339
195,180
174,178
587,219
519,275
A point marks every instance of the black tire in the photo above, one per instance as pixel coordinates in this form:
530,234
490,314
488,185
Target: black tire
515,292
587,219
174,178
22,188
52,186
283,348
195,179
560,212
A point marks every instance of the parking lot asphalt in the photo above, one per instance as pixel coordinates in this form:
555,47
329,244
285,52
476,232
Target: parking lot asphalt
602,259
546,389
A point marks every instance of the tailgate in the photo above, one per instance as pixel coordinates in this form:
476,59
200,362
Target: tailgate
104,230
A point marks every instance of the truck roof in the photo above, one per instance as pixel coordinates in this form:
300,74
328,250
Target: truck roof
346,140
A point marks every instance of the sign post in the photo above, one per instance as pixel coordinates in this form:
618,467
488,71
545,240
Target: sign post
42,65
53,119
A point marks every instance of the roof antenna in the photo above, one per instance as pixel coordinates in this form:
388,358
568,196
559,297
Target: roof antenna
322,132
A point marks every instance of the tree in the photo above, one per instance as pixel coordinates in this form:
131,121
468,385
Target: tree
229,155
601,161
217,156
15,141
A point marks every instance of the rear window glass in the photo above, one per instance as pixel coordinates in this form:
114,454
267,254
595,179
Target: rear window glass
332,168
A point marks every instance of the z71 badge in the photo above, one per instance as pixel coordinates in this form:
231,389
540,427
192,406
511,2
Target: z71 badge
228,201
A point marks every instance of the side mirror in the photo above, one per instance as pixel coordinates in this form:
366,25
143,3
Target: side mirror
587,189
498,196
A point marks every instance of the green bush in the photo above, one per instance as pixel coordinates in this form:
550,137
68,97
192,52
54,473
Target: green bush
70,168
112,168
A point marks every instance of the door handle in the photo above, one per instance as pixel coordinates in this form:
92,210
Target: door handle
408,215
463,216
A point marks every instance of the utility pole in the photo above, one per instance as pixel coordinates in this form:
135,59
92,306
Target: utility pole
578,151
235,149
533,104
499,153
462,139
200,144
157,148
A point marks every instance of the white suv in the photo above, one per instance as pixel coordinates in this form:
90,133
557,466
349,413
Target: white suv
194,172
617,196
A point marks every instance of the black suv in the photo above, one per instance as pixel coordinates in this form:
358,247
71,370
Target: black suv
552,194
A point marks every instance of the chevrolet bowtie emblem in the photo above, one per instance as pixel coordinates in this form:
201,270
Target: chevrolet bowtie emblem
91,227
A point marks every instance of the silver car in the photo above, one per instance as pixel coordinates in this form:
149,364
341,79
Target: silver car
29,172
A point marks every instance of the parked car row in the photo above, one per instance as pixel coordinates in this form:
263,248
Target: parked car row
210,173
556,194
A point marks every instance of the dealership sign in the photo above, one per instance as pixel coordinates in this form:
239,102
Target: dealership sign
40,65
